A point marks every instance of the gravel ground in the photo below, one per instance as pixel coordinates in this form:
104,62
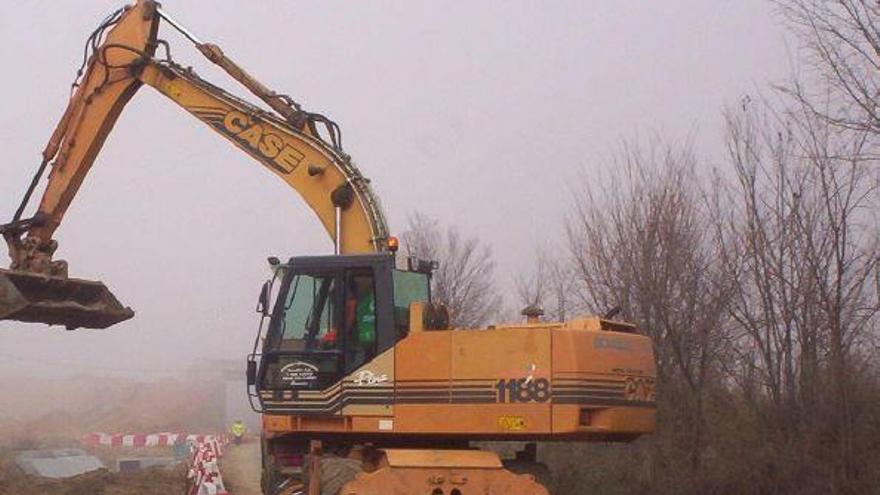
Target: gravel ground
156,481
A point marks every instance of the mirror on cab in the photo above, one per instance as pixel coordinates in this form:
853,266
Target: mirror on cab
251,372
263,301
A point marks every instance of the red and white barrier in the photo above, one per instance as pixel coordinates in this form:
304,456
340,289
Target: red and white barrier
203,463
204,469
147,440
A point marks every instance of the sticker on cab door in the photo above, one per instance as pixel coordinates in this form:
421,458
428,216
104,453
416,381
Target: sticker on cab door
298,374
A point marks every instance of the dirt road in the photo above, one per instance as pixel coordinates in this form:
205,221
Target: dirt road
241,468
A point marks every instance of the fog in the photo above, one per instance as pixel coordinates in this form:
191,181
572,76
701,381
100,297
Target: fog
480,114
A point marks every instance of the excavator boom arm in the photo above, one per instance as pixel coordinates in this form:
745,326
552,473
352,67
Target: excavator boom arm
101,91
324,178
287,143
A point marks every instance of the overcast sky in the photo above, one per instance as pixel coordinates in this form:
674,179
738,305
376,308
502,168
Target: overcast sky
480,114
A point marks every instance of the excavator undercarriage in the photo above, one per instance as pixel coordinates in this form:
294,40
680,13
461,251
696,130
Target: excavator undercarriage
440,472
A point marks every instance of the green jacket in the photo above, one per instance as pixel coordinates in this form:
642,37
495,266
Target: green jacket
365,314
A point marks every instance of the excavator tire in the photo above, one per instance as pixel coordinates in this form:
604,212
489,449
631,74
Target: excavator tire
336,472
268,480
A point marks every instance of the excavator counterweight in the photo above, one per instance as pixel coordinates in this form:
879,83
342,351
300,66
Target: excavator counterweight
73,303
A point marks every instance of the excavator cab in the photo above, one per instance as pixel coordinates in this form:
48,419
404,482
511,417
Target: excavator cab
330,315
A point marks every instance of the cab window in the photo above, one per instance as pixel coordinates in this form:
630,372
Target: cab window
308,313
409,287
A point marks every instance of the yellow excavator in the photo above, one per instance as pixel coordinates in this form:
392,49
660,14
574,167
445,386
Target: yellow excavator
363,387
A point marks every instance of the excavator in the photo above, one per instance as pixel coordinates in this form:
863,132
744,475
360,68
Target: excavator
363,387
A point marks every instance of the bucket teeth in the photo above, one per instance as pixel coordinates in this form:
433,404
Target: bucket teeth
71,302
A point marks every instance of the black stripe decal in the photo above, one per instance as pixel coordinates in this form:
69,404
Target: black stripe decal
602,402
588,392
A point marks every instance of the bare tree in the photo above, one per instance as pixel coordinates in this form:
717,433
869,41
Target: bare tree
802,247
640,240
464,281
550,285
763,254
840,42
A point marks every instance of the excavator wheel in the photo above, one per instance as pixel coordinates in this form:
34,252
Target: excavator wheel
336,472
268,480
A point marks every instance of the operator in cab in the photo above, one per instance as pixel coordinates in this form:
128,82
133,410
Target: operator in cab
360,310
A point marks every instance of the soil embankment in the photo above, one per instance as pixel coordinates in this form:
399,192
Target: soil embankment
58,413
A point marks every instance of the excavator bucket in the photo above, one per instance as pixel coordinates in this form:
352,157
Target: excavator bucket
70,302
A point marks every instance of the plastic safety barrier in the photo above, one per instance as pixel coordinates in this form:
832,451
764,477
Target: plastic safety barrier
204,468
205,451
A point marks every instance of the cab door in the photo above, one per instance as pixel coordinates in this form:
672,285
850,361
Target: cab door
360,318
304,349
